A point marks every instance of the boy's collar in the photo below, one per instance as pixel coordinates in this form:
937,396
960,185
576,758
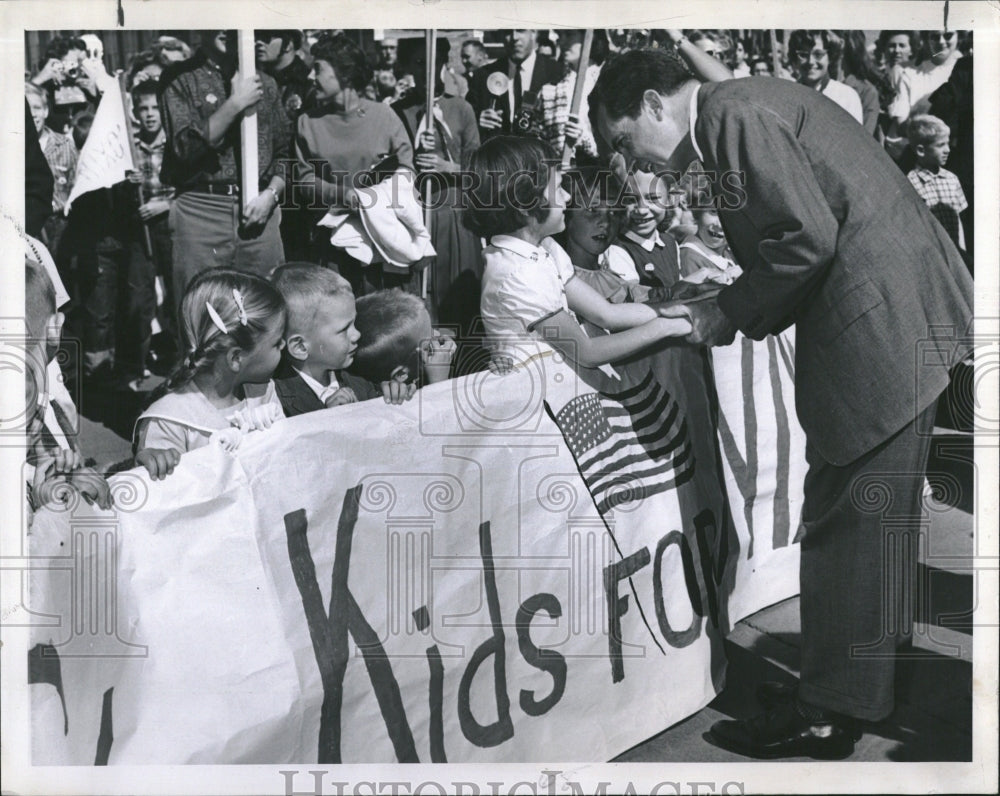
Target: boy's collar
316,386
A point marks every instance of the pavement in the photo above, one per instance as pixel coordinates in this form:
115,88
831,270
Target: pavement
933,717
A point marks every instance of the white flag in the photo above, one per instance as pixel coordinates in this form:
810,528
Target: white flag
106,156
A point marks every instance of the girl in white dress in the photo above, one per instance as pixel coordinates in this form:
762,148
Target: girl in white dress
232,329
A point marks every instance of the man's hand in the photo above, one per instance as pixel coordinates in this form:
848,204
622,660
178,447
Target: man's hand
691,291
153,208
397,392
501,365
345,395
573,130
53,70
247,92
158,462
352,200
490,119
259,210
710,326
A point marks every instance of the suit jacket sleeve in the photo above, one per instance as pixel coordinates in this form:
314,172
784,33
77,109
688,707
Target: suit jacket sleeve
794,229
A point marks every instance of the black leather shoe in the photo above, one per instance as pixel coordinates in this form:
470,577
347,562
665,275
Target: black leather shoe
771,693
783,732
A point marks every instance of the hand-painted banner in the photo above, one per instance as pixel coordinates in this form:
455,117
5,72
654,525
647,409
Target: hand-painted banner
521,568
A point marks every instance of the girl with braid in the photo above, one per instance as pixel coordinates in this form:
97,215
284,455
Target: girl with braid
232,328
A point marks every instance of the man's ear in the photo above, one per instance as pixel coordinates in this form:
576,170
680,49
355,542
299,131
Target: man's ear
400,373
920,150
297,347
652,100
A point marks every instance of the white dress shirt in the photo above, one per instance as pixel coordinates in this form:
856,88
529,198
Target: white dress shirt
322,392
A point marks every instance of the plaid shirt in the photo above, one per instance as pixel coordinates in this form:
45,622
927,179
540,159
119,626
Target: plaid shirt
149,161
61,155
555,99
189,99
943,195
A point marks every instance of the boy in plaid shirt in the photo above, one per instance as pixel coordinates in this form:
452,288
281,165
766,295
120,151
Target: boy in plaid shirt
938,187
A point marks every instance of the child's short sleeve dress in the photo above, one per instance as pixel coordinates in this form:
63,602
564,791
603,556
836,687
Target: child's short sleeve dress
185,420
523,285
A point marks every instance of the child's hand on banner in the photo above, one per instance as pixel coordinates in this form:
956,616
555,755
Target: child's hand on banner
159,463
345,395
501,365
397,392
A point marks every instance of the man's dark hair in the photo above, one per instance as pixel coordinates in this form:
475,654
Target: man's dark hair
512,174
626,77
144,89
475,44
347,59
58,46
286,36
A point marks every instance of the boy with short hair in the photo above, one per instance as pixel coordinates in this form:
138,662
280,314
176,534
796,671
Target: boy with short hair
938,187
398,343
320,343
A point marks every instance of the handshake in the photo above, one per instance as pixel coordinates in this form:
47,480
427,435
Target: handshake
697,303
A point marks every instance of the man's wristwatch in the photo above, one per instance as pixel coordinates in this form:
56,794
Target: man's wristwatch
274,193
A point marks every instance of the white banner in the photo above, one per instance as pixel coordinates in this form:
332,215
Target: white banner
106,156
431,582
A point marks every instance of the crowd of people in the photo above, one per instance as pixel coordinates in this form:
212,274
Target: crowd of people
334,121
381,250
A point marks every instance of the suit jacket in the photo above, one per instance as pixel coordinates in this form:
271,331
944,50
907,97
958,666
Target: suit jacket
833,238
547,71
297,397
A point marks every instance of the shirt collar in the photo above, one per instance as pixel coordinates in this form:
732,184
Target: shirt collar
925,174
647,243
518,246
528,64
156,143
694,118
322,392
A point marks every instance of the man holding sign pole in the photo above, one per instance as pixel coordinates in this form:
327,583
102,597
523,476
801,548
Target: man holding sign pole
882,306
205,100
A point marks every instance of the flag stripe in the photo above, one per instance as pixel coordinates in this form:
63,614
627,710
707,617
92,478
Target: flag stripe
607,475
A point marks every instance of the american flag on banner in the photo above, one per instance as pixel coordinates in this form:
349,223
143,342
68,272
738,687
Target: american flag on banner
629,443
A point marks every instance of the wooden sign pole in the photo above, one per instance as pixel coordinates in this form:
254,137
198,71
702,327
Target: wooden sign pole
775,58
581,73
430,55
147,243
249,187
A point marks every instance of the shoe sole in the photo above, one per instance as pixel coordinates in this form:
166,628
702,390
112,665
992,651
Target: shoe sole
804,748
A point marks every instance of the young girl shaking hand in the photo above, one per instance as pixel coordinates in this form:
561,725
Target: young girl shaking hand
529,288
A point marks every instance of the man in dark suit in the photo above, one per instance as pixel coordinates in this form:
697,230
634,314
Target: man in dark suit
527,72
831,238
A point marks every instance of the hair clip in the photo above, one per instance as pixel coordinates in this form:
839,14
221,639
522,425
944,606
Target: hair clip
238,298
216,318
